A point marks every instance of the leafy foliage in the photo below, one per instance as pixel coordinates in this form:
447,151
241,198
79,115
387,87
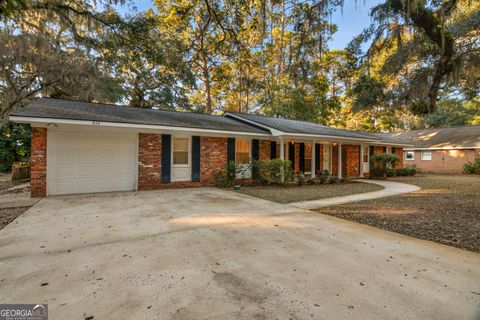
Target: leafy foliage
380,163
15,142
472,167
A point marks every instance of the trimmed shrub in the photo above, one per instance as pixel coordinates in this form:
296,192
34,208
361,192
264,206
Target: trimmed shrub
301,179
409,170
472,167
227,176
381,163
270,171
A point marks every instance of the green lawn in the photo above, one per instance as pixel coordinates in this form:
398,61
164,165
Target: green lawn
308,192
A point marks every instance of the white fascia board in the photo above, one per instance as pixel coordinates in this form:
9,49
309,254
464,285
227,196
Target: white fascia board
327,137
441,148
385,143
33,120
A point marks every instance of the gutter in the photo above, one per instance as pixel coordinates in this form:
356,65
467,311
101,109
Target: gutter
22,119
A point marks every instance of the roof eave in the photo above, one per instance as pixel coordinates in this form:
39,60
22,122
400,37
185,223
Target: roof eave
46,120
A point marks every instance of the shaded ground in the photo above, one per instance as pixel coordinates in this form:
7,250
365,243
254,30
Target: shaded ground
14,199
7,215
446,210
308,192
222,255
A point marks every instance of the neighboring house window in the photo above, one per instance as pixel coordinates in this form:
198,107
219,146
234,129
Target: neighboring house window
426,155
180,150
242,151
410,155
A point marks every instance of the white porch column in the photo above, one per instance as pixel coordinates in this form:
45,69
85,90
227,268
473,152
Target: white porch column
313,160
339,169
282,155
361,160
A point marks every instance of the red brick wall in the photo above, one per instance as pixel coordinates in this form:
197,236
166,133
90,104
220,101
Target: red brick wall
443,161
399,153
38,182
264,150
351,157
149,161
378,149
213,158
297,157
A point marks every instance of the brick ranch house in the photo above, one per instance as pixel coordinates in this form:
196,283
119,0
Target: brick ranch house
80,147
443,150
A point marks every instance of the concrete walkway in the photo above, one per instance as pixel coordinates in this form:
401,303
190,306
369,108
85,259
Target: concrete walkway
390,189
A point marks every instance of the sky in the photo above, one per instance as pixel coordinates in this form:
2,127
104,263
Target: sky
351,19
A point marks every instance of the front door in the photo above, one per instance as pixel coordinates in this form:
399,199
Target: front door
366,160
181,163
327,157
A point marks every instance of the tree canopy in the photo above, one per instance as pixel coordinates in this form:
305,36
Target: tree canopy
416,65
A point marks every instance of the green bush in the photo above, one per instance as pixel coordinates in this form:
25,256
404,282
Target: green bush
270,171
14,144
227,176
381,163
472,167
409,170
301,179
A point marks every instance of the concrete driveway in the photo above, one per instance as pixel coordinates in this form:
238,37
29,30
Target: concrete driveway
212,254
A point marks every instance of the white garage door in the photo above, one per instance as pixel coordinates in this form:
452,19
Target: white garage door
86,162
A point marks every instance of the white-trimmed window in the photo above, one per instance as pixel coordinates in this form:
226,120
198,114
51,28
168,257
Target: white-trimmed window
410,155
242,151
180,151
426,155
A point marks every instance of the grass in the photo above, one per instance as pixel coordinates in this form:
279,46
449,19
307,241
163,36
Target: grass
446,210
308,192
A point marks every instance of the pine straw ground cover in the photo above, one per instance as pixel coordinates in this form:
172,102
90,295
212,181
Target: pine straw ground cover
446,210
288,194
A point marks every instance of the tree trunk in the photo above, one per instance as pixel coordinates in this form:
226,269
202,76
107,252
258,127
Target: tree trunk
206,81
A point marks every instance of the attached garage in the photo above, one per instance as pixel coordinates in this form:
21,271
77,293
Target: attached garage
85,162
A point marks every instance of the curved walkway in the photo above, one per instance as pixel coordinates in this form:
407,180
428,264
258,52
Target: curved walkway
390,189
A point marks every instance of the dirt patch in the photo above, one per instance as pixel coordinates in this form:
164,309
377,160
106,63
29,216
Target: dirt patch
308,192
7,215
446,210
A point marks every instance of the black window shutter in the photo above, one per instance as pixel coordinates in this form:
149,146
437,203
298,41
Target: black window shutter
360,160
317,156
384,149
371,151
230,149
195,158
302,157
393,150
255,149
166,156
291,154
273,150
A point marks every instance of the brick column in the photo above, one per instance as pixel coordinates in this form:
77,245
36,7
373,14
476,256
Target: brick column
149,160
38,181
352,157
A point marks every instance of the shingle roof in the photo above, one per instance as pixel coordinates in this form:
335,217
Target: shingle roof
459,137
75,110
296,126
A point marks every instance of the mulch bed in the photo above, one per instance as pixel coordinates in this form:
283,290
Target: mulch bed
7,215
293,193
446,211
